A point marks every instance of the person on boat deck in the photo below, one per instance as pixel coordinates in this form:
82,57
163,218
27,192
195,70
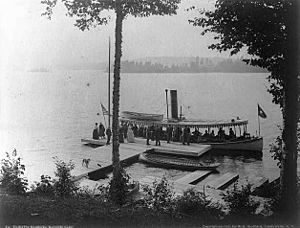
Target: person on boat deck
125,127
157,136
196,135
121,134
206,134
95,132
108,134
101,131
221,134
148,134
231,134
169,133
135,129
130,135
212,134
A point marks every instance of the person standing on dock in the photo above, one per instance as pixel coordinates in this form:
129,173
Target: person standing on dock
108,134
148,134
95,132
169,133
101,131
157,136
130,135
121,134
188,136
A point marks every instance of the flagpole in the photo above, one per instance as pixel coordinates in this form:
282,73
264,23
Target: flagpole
104,118
109,82
258,119
258,124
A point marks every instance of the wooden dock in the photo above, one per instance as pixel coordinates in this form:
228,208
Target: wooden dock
223,181
178,150
179,188
194,177
101,157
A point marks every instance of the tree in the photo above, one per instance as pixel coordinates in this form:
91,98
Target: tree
89,14
269,30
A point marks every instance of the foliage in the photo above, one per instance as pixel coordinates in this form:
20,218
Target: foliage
12,171
44,187
63,185
276,150
159,196
260,26
239,201
90,13
195,203
119,186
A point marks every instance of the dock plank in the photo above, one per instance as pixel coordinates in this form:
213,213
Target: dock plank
194,177
223,181
258,183
183,150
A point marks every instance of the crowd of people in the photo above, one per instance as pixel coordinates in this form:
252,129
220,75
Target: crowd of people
157,133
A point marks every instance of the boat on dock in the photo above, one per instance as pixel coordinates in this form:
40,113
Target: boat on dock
242,142
200,131
95,142
174,162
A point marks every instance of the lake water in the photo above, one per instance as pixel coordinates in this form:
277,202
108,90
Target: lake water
45,114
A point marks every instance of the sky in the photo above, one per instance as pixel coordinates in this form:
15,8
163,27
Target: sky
29,40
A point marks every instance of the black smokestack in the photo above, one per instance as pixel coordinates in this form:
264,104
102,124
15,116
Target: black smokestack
174,104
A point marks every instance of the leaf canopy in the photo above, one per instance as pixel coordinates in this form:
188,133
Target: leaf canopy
89,13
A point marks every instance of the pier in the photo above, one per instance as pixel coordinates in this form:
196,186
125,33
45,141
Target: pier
194,177
101,157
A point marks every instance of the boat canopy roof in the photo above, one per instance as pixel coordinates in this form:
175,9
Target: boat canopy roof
189,123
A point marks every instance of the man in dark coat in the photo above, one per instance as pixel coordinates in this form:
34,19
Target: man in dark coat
95,132
169,133
108,134
148,134
157,136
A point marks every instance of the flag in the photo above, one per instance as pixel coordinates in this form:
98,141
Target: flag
104,110
261,112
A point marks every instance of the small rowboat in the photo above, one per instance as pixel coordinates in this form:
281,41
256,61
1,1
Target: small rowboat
173,162
142,116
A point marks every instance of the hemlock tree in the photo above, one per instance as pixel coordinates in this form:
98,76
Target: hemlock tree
269,31
89,13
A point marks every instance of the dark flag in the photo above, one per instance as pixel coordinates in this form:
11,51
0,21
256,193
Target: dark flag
104,110
261,112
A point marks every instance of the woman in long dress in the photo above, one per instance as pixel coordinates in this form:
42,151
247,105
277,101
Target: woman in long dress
130,135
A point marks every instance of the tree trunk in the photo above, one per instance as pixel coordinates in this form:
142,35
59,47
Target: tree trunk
290,104
116,88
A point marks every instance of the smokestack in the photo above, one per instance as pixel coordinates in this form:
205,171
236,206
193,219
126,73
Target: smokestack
174,104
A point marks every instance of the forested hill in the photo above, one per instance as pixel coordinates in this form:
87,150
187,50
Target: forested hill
187,65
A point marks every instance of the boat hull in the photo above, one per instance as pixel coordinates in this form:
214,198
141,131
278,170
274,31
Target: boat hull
174,163
251,144
99,142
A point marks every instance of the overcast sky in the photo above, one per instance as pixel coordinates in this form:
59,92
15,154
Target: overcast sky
30,40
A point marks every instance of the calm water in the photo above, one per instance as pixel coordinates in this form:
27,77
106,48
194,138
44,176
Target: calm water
45,114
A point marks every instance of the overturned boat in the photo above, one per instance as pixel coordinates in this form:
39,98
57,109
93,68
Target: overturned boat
142,116
173,162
